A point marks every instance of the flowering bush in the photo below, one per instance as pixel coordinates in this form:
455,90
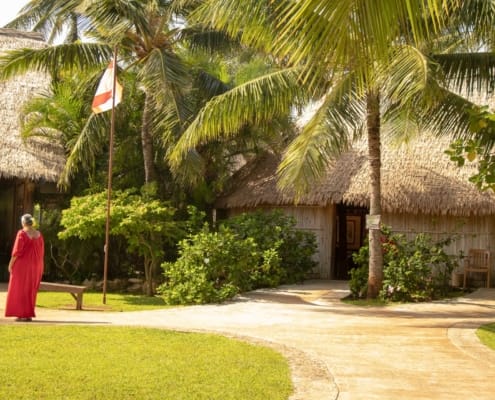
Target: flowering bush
413,270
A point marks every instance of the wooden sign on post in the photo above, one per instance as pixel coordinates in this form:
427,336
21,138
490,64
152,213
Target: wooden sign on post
373,221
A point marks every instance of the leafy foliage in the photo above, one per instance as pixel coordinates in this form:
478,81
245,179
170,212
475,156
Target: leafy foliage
70,259
478,148
247,252
414,270
212,267
276,231
146,223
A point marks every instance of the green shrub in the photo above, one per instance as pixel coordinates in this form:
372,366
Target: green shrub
212,267
277,231
248,252
146,223
413,270
358,284
416,270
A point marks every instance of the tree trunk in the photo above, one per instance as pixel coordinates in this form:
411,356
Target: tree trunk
375,277
73,33
147,144
148,280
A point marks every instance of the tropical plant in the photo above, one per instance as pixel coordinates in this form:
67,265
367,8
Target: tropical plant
275,231
151,44
469,67
212,267
59,115
417,269
147,225
249,251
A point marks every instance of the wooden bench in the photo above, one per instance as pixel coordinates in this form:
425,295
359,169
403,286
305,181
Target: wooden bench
75,291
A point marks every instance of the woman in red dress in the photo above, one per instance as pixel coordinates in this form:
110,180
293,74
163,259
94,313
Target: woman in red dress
26,269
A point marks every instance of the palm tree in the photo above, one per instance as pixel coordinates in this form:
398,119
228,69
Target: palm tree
150,43
360,59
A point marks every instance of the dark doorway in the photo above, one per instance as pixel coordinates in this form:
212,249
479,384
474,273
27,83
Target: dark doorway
350,235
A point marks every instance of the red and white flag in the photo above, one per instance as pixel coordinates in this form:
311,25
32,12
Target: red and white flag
103,100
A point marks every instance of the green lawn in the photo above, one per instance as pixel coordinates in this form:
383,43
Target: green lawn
94,301
486,334
109,363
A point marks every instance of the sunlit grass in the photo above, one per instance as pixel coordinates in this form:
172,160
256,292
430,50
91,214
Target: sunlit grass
114,363
366,302
94,301
486,334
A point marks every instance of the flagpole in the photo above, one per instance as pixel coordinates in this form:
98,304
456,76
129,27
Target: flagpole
109,189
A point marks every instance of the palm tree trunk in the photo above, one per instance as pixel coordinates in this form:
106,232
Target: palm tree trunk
147,144
375,277
73,33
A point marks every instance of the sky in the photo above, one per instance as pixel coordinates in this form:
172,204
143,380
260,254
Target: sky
10,9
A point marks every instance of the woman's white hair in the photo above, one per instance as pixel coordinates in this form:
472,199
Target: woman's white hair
27,219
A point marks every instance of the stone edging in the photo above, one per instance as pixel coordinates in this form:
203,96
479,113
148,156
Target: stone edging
463,336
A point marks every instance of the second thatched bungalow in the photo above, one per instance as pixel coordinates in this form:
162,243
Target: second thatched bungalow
422,191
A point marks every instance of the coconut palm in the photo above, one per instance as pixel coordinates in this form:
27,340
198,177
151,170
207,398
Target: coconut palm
150,43
361,60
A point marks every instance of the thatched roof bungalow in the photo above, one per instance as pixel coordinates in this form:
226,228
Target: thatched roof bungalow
26,166
422,191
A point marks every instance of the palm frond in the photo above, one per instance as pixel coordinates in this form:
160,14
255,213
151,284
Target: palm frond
207,40
35,12
166,80
447,114
251,21
86,147
468,72
318,35
333,127
406,75
53,58
254,102
210,85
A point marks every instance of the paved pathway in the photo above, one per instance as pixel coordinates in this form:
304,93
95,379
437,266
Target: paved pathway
414,351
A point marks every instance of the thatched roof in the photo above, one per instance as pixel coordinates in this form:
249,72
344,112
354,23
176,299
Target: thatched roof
34,159
417,177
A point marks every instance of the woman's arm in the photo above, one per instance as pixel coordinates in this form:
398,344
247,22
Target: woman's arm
11,263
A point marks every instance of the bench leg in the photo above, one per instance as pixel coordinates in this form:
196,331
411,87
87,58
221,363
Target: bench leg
79,301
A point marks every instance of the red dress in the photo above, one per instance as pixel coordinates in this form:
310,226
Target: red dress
26,275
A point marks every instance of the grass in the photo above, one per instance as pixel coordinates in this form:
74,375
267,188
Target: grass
452,294
120,363
366,303
94,301
486,334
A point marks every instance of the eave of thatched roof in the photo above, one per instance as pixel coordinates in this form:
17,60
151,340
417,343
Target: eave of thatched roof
35,159
417,177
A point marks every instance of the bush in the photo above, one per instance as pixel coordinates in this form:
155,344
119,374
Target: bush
413,270
358,283
212,267
248,252
274,231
